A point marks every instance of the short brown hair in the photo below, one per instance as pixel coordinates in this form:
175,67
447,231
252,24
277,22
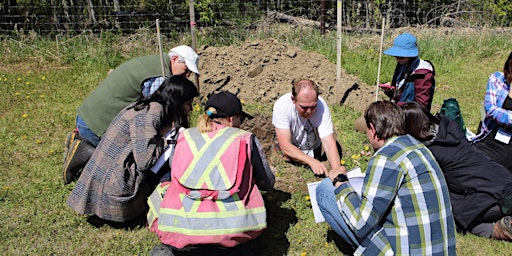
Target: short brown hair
386,117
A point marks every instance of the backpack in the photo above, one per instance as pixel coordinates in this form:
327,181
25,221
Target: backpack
451,109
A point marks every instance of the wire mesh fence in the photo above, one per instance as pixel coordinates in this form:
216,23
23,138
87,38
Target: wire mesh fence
49,17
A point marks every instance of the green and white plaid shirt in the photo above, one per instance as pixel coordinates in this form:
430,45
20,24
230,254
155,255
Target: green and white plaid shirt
404,207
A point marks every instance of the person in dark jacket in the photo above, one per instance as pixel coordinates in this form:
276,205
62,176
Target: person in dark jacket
480,189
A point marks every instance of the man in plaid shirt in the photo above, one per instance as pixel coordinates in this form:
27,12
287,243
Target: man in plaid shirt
404,207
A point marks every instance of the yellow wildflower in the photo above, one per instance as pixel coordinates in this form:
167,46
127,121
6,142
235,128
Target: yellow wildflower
42,96
308,198
25,115
17,94
43,78
366,148
27,83
27,97
38,141
342,162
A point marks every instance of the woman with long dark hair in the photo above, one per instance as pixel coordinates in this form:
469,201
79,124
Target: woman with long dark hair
480,189
117,179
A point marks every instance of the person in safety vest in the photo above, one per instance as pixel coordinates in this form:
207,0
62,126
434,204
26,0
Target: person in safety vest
117,180
213,204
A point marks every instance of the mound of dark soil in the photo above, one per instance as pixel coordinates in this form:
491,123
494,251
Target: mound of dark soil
262,71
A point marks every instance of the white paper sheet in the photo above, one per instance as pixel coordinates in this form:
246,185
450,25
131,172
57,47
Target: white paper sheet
355,177
168,151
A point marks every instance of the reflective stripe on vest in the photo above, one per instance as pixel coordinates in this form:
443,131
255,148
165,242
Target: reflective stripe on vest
191,215
154,201
206,167
212,223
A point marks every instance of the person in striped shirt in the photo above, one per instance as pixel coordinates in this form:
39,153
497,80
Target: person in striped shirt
404,206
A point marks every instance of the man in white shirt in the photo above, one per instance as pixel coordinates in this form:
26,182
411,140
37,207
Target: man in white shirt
304,127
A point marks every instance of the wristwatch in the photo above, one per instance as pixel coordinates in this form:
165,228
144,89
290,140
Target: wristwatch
340,178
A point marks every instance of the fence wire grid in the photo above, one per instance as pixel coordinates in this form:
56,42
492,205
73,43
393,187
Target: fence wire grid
69,17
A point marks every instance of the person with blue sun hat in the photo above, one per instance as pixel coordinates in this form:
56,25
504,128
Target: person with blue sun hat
414,78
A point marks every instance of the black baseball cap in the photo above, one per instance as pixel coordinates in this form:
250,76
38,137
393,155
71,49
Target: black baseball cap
226,104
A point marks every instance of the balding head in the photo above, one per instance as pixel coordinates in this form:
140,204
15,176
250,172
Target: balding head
305,97
304,84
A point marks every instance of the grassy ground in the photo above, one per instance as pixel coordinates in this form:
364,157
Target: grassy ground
43,81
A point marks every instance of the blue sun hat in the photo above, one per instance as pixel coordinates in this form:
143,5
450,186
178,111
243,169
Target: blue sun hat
403,46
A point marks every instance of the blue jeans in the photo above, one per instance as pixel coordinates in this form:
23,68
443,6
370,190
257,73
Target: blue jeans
86,133
326,198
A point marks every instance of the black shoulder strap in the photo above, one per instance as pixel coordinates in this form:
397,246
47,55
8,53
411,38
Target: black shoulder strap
433,68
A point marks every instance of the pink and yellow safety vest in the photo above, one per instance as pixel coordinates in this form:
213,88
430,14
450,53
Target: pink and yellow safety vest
212,197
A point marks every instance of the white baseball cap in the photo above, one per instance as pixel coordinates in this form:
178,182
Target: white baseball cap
190,56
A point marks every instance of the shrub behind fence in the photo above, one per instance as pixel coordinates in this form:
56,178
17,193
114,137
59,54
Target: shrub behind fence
50,17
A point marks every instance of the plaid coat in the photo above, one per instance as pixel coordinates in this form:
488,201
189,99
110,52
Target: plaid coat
116,181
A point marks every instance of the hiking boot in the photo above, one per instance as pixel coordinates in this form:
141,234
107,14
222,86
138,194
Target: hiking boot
76,157
72,135
503,229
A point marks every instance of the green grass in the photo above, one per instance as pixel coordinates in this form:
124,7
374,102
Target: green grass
44,80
